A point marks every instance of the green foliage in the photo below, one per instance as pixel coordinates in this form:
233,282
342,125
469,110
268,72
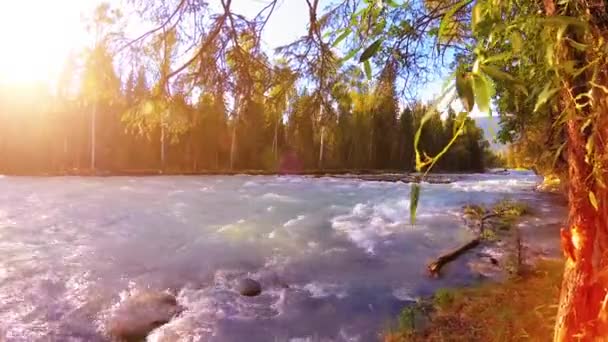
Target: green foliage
414,199
484,91
474,211
510,208
489,235
443,298
370,51
413,317
407,319
464,87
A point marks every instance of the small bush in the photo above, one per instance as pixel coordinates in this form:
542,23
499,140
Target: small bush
474,211
489,235
509,208
443,298
407,319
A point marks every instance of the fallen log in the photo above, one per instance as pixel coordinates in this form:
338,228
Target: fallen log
435,267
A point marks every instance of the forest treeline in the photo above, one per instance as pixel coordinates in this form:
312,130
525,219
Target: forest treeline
99,118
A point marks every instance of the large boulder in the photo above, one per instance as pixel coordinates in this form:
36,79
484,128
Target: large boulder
138,315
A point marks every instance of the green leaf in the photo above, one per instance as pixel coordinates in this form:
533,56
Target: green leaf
547,93
498,57
497,74
562,20
521,88
354,19
476,66
516,41
589,147
476,16
560,32
392,3
550,55
342,37
592,199
569,67
484,90
557,154
370,51
351,54
464,88
368,69
577,45
447,20
414,199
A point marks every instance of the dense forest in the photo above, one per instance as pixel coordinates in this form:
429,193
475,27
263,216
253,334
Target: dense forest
53,133
108,116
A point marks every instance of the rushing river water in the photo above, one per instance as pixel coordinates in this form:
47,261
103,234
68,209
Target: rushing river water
71,248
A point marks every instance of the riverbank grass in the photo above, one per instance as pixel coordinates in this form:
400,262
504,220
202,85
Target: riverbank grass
521,308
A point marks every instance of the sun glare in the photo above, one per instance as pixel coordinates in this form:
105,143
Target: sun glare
36,37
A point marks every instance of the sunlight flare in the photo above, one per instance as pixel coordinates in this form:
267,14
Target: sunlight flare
37,36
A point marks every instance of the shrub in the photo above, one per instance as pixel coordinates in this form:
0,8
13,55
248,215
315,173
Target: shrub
510,208
443,298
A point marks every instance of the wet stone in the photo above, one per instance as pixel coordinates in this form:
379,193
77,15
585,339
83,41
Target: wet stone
248,287
140,314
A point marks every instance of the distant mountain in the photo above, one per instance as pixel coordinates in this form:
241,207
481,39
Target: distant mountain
490,130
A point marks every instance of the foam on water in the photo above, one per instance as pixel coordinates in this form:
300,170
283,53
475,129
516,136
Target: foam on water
295,221
276,197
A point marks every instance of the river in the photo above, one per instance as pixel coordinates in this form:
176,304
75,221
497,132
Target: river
337,258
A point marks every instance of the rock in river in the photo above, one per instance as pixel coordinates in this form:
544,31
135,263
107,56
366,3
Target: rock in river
248,287
138,315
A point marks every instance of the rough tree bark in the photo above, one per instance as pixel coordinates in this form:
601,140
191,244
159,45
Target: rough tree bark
582,314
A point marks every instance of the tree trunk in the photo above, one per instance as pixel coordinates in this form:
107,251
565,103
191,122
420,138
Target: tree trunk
233,147
93,119
162,146
275,142
321,147
66,156
435,267
371,151
582,313
582,308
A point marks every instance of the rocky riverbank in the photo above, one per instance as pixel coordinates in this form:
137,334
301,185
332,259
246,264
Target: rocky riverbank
518,256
